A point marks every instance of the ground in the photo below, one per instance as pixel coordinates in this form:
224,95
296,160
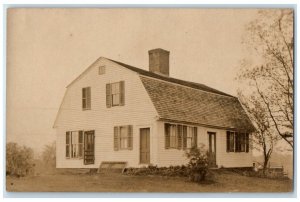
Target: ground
67,182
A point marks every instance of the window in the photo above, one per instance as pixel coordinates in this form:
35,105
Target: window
74,144
173,137
115,94
86,98
123,137
180,136
101,70
237,142
191,137
230,141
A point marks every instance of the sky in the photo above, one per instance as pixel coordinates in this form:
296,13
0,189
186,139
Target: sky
48,48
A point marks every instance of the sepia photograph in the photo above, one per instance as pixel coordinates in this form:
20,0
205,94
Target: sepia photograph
150,100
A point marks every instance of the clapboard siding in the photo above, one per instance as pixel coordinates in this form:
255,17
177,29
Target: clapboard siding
169,157
231,159
138,111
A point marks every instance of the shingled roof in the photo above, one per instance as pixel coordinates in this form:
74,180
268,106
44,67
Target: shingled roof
189,102
170,79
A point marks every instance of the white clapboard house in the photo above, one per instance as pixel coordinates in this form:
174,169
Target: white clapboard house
114,112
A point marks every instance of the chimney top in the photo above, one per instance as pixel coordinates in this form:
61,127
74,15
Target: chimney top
159,61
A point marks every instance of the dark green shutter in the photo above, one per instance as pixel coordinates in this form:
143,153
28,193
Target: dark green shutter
88,97
247,142
108,95
80,141
237,142
228,141
195,137
130,139
184,137
83,98
167,136
68,145
116,138
122,93
179,136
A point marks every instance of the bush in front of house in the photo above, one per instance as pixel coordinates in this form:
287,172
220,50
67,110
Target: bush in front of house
171,171
198,166
196,170
19,160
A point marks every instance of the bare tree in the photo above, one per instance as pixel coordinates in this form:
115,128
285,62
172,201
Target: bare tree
264,138
270,80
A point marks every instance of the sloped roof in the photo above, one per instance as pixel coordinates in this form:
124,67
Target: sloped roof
183,104
170,79
189,102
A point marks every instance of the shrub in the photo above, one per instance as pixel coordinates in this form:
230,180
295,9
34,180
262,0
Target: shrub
19,160
198,165
49,156
180,171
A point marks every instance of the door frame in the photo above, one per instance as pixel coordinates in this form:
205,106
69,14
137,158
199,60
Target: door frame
139,129
210,135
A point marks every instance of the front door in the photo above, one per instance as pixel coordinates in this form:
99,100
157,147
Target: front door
212,149
145,145
89,147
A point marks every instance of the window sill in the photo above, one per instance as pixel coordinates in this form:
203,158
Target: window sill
86,109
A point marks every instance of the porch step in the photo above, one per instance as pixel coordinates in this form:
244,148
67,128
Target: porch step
112,167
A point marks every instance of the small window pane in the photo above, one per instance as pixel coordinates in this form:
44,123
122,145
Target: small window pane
75,137
116,99
123,138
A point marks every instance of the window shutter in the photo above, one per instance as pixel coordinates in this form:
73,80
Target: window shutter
68,144
108,95
167,136
83,97
179,136
122,93
80,143
88,97
237,142
130,138
195,137
228,141
247,142
184,137
116,138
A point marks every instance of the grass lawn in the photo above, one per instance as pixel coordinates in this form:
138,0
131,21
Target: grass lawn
70,182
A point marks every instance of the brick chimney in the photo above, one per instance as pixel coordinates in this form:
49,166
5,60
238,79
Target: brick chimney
159,61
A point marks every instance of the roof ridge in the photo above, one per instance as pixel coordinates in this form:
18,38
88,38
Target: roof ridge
191,84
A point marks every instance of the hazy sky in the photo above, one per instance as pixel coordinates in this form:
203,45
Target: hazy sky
48,48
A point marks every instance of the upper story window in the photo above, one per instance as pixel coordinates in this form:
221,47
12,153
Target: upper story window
86,98
115,94
237,142
101,70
